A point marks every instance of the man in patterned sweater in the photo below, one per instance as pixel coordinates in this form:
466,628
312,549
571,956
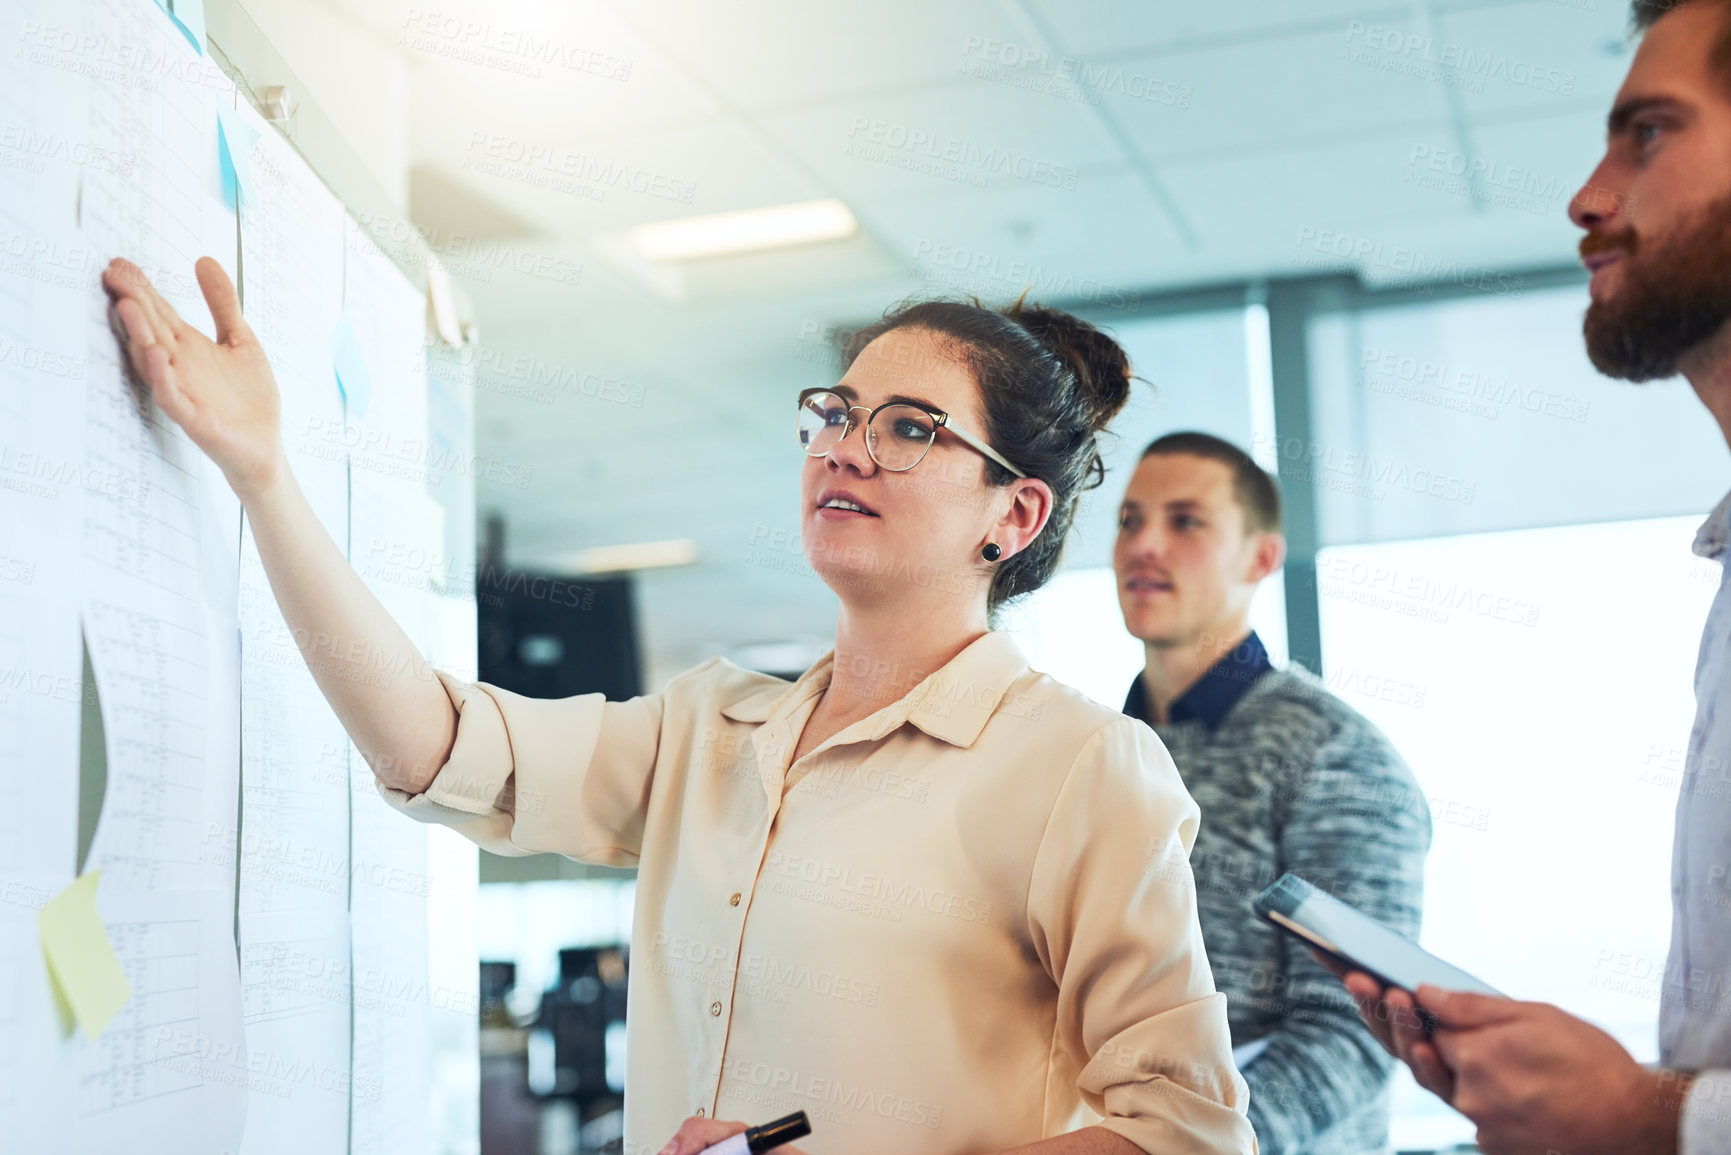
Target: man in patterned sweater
1288,777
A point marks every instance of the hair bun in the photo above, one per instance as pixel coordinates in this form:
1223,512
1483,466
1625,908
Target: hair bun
1101,366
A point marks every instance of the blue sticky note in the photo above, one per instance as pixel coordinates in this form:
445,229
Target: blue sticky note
354,381
236,138
188,16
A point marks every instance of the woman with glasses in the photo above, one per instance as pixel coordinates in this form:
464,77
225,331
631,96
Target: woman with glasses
929,896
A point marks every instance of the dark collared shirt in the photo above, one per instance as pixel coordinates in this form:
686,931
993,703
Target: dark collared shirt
1215,693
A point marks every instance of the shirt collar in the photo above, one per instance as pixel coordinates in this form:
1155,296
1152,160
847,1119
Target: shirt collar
1215,693
1711,538
952,704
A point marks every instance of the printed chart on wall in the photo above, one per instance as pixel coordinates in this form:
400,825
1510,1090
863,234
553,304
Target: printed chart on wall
160,545
293,848
396,534
213,934
42,379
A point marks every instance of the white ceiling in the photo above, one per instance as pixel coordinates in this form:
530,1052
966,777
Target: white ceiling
1277,121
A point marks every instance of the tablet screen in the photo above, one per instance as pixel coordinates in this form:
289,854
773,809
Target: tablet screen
1360,940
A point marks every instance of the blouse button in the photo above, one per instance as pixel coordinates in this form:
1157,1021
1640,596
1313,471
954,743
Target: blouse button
734,901
715,1008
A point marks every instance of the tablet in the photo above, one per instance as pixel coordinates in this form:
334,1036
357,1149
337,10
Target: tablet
1358,941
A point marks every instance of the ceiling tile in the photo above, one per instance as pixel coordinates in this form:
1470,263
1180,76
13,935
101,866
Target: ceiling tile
1047,240
1226,101
1270,200
972,136
1537,55
577,186
1111,28
536,65
762,54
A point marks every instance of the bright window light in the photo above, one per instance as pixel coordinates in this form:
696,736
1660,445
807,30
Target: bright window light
752,230
1072,629
1540,685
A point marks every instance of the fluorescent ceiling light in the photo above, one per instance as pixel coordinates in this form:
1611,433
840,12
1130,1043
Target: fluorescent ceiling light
637,555
751,230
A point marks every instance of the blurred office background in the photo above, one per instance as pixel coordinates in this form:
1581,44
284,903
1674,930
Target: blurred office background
1332,231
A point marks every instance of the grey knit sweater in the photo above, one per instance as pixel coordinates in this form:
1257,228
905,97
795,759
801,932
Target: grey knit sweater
1292,778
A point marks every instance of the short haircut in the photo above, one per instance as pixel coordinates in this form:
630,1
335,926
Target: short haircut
1643,14
1254,489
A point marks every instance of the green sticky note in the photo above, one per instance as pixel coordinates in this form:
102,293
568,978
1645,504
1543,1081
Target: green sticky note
82,960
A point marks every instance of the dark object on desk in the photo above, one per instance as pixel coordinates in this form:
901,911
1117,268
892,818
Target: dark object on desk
585,1015
497,979
547,636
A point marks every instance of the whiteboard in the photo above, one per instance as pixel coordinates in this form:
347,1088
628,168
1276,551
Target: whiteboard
269,913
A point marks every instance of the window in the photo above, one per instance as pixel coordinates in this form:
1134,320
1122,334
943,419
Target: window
1204,371
1483,413
1539,683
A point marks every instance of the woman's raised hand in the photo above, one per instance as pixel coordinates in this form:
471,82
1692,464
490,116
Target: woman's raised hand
221,392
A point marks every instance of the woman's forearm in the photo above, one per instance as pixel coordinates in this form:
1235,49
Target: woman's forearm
224,395
376,679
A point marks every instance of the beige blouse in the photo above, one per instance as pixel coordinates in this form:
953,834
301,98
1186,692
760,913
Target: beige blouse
962,924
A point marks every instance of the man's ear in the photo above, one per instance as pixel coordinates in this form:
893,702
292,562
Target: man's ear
1268,554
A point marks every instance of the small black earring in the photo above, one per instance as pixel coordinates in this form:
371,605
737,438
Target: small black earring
991,552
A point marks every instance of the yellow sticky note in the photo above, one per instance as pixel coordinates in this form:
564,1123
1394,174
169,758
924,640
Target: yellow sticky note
80,957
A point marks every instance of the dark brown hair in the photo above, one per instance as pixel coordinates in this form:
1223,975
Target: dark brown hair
1049,383
1643,14
1254,489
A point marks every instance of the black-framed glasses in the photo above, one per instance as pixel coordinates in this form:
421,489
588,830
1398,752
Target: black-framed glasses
898,434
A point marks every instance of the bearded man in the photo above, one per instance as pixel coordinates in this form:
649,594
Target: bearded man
1657,214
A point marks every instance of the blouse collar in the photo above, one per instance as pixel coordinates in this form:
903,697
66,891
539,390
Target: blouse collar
953,704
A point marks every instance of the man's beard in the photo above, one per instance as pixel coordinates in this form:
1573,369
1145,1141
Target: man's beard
1676,293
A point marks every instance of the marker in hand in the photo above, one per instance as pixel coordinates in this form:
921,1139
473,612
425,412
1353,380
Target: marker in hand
757,1140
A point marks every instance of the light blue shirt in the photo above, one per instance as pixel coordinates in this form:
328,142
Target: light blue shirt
1695,1013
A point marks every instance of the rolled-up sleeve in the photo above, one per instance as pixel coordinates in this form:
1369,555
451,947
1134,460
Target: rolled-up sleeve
567,776
1112,911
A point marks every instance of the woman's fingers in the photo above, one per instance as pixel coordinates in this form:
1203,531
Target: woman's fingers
137,334
695,1134
222,395
152,362
165,387
127,282
165,317
224,304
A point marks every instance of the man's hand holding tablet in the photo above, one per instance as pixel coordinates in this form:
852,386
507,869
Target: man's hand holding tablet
1534,1078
